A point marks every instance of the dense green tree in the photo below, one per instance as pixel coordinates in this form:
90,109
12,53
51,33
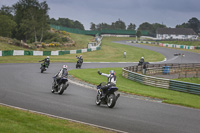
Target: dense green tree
6,10
148,27
78,25
194,23
183,25
156,26
31,18
7,25
131,26
66,22
93,26
151,28
119,25
53,21
138,34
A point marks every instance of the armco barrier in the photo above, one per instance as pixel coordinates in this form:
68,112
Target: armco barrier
161,82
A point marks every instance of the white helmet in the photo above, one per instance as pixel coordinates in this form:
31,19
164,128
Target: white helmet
142,57
48,57
65,66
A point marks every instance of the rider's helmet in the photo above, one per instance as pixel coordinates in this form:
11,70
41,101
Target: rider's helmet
65,66
47,57
142,57
112,72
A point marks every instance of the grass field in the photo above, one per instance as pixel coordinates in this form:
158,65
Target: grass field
18,121
191,80
128,86
5,46
110,52
81,42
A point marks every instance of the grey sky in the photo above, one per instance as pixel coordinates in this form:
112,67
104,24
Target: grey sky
168,12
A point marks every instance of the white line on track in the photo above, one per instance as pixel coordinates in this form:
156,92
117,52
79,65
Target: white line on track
54,116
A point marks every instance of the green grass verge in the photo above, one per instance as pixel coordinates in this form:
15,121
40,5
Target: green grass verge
18,121
110,52
128,86
191,80
5,46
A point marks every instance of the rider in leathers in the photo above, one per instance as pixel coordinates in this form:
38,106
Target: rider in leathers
80,58
111,81
46,61
62,73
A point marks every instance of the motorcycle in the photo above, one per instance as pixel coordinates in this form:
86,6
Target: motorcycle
61,86
79,63
43,67
110,98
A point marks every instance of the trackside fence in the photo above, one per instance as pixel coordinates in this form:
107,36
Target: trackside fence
167,45
161,82
183,70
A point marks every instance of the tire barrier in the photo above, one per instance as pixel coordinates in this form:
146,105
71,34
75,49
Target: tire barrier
45,53
186,87
167,45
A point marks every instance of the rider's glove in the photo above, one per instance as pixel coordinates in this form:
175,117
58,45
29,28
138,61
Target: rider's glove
99,73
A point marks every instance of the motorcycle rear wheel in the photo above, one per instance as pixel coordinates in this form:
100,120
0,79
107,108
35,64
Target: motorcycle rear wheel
62,89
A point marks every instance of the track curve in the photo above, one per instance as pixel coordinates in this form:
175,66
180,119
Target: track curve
24,86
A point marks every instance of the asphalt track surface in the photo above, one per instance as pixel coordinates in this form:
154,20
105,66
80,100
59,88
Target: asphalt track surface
23,85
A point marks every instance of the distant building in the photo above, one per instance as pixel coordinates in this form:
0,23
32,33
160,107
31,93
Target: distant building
175,33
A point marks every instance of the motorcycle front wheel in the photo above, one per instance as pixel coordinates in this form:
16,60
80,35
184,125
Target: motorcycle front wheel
42,70
111,100
98,99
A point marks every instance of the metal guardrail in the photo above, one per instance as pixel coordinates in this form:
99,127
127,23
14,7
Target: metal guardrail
161,82
186,70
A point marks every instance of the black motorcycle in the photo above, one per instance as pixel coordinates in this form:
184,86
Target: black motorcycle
110,98
43,67
79,63
61,86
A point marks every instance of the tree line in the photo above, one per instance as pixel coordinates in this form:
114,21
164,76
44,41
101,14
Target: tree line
66,22
28,20
25,20
193,23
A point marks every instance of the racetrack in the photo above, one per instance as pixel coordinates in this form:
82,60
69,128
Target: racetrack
23,85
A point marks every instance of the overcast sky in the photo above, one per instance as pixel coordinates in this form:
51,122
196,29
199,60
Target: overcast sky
168,12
